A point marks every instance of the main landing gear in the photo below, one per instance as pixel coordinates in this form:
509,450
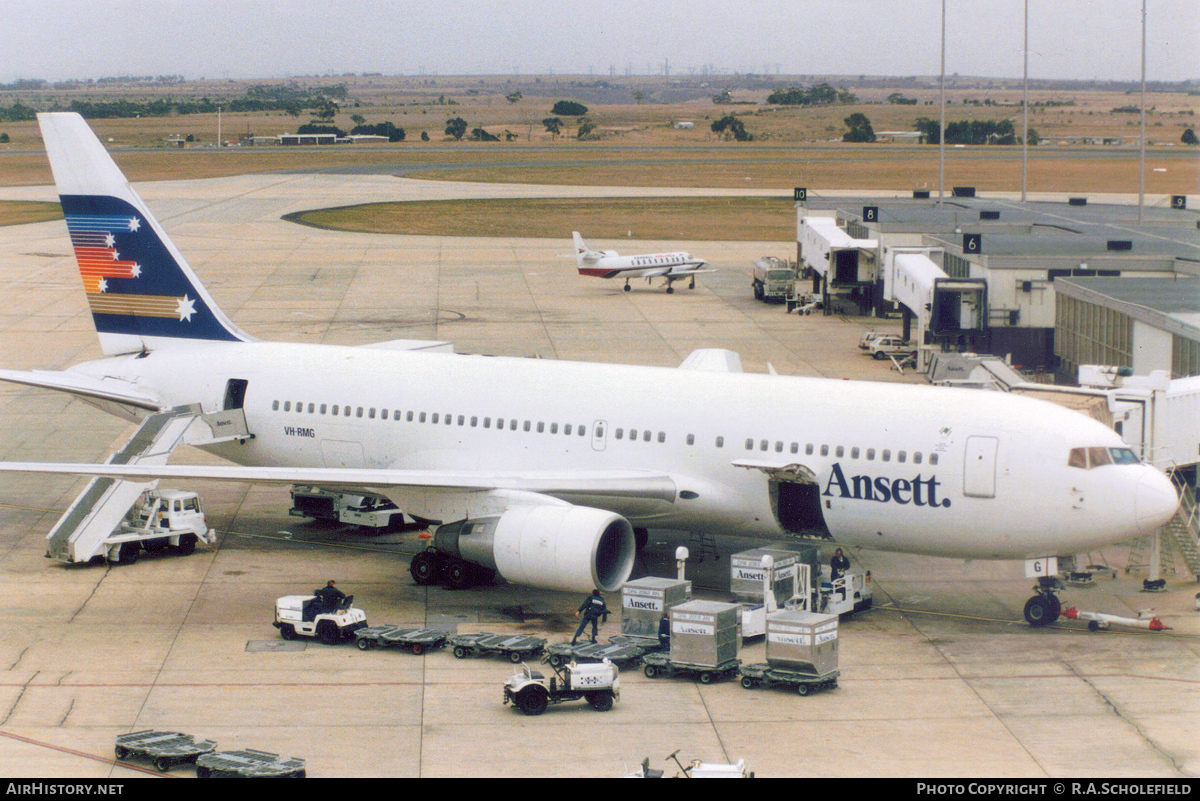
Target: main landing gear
1044,608
431,566
626,284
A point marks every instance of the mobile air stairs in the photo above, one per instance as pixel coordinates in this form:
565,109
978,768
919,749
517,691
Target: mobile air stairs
1182,532
92,525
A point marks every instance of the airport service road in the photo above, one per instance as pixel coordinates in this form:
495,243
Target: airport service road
186,643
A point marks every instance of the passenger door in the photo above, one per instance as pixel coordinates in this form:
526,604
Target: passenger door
979,468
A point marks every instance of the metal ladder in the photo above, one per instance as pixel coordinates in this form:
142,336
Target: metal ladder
1181,533
80,534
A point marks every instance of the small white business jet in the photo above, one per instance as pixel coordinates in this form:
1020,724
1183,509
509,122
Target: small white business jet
548,471
610,264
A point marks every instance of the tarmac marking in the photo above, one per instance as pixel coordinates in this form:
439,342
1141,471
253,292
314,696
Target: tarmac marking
93,757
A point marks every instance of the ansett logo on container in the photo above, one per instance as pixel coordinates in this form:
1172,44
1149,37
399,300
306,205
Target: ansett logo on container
789,639
652,604
917,491
692,628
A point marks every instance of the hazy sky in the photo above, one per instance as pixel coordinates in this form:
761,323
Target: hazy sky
58,39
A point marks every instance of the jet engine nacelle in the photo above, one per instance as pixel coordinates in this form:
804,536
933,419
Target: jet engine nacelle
570,548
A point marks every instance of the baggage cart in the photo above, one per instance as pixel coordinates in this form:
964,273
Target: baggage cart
772,675
661,665
416,640
623,656
248,764
163,748
513,647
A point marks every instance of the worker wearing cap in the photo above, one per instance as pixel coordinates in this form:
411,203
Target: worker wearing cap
838,565
330,597
592,608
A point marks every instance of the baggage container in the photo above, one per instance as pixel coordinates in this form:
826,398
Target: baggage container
803,641
644,600
704,633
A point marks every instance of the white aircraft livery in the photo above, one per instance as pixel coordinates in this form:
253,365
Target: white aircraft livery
543,470
610,264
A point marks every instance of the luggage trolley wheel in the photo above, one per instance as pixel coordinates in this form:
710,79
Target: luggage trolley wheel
651,671
747,683
803,689
162,764
417,648
122,753
460,652
706,677
364,644
515,657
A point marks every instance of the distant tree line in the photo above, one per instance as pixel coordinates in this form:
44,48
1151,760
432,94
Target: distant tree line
974,132
257,98
819,95
730,127
388,129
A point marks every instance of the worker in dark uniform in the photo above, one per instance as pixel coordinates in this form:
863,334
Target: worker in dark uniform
329,598
593,608
664,632
838,565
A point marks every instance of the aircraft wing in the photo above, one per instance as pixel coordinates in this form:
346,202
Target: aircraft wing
109,391
713,360
626,484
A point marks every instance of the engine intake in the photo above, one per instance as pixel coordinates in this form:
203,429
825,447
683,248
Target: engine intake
570,548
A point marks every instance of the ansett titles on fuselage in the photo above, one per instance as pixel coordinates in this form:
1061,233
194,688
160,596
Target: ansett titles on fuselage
917,491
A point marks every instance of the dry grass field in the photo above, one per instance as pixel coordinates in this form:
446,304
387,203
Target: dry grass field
634,142
19,212
721,219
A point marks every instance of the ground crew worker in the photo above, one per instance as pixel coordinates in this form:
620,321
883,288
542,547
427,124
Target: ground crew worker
330,597
838,565
593,608
664,632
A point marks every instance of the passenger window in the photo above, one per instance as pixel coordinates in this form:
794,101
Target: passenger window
795,447
662,436
311,408
410,417
421,419
554,428
620,433
902,457
322,408
917,457
500,423
487,422
887,455
541,427
449,419
839,452
358,413
691,439
720,442
435,418
462,420
646,435
933,458
371,414
1098,457
287,406
763,445
808,449
633,434
345,411
274,406
870,454
334,410
749,444
474,422
512,424
299,406
581,430
567,429
824,450
779,447
526,425
854,453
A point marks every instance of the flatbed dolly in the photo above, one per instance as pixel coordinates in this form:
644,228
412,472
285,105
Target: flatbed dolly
416,640
163,748
622,655
249,764
657,665
513,647
771,675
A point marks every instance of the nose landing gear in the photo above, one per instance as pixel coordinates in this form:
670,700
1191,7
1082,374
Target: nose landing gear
1044,608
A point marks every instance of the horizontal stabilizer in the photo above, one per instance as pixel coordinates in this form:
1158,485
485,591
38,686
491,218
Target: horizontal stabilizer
109,390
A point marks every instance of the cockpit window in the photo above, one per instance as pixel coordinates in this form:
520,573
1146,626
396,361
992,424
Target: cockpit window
1123,456
1089,458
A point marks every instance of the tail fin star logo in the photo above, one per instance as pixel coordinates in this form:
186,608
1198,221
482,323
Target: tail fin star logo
187,308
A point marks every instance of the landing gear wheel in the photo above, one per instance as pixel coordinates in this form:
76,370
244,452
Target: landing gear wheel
1039,611
601,702
533,700
693,284
803,689
423,568
670,290
458,576
627,287
288,632
1055,607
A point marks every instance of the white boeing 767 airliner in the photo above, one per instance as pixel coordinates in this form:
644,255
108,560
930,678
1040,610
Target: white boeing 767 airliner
541,470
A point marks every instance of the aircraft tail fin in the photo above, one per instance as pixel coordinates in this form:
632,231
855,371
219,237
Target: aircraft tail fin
583,253
141,291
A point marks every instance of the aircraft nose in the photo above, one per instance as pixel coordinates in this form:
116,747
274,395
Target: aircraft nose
1156,501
